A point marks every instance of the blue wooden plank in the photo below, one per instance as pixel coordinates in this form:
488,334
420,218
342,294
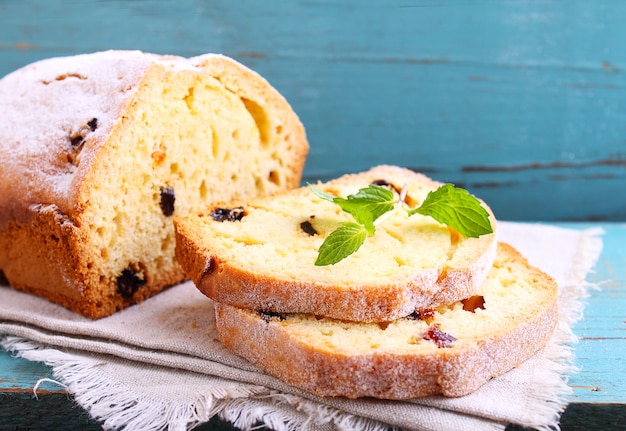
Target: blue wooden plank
522,102
21,376
601,350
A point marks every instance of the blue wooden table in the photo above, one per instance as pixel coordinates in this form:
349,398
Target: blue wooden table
522,102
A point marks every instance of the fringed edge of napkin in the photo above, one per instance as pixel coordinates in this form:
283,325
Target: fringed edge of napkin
117,407
114,406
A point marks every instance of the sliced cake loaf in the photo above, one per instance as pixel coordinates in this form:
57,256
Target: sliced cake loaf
100,151
450,350
260,253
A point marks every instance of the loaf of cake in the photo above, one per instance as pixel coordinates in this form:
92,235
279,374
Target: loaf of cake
99,152
450,350
259,253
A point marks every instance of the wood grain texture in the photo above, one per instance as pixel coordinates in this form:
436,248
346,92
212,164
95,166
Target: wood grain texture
17,375
601,350
522,102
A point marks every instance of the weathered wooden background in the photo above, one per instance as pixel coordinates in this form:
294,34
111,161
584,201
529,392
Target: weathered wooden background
522,102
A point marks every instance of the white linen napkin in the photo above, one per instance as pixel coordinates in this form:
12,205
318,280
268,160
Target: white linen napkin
159,365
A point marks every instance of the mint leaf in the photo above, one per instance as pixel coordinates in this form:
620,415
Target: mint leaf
458,209
341,243
367,205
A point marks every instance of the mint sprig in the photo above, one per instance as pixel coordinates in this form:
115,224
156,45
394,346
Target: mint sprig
456,208
449,205
365,206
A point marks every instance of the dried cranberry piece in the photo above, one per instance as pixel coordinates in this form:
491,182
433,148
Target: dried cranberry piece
385,183
93,124
167,201
227,214
77,140
270,315
381,183
209,267
442,339
426,314
308,228
129,282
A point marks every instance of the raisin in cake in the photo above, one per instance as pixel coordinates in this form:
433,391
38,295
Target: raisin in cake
100,151
260,253
450,350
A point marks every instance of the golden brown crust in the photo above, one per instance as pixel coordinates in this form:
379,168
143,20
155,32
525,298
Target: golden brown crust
324,369
95,139
232,281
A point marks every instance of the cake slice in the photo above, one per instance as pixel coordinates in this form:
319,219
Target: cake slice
260,253
450,350
99,152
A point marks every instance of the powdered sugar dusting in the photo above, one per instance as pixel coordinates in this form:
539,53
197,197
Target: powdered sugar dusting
44,104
